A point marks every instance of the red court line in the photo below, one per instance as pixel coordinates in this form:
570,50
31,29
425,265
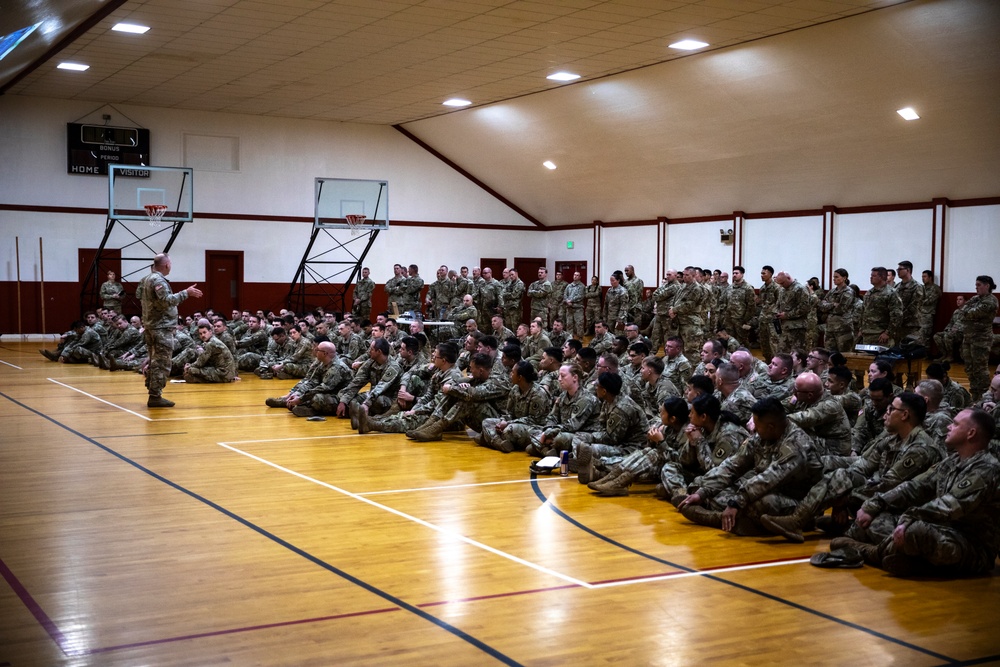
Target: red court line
36,609
706,570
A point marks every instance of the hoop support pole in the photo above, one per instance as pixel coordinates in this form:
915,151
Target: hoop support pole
17,261
41,269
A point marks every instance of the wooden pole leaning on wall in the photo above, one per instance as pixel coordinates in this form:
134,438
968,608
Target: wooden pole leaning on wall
17,263
41,275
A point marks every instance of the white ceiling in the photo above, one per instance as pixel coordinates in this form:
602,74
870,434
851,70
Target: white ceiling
792,106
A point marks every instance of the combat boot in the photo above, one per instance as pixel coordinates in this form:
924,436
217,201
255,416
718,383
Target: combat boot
49,354
429,431
352,409
702,516
870,552
612,473
790,527
158,402
617,486
585,463
363,426
275,403
103,363
303,411
113,363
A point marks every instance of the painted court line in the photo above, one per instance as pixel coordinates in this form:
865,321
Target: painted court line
307,437
11,365
447,487
450,533
698,573
99,400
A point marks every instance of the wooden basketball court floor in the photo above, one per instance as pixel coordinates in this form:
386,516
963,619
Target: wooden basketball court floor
225,532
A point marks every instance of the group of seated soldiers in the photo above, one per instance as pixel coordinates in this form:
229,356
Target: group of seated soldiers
734,443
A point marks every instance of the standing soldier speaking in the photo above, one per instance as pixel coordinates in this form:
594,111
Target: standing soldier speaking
159,317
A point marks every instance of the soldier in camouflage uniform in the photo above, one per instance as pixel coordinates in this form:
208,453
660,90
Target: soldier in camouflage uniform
911,294
838,304
990,403
573,411
928,308
905,452
771,473
883,310
159,317
740,306
593,302
687,314
411,288
440,295
622,431
215,364
954,395
316,393
490,299
820,415
557,304
394,288
793,307
540,293
736,399
675,364
870,422
634,286
299,354
513,294
80,348
768,297
573,303
616,303
280,347
428,404
381,373
252,346
954,332
362,298
112,293
977,318
654,388
527,405
950,515
777,382
663,298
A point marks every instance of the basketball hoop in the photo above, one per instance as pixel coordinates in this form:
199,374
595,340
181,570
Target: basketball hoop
155,213
355,221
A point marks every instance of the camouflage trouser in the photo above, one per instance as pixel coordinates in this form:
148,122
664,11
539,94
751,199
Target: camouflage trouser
646,463
493,438
593,313
397,423
604,456
767,337
471,414
872,339
976,354
693,337
574,322
323,404
378,406
926,330
839,340
362,311
946,342
132,364
512,317
248,361
295,370
208,374
77,355
880,529
542,312
662,330
748,518
944,547
791,339
160,344
177,363
521,435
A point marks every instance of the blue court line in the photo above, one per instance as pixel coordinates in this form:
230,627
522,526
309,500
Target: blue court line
486,648
541,496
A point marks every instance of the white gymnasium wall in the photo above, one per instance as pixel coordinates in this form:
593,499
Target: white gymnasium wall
629,245
793,245
864,240
698,244
556,250
972,247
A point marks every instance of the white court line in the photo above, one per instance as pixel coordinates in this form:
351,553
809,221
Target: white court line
11,365
308,437
186,419
100,399
698,573
414,519
462,486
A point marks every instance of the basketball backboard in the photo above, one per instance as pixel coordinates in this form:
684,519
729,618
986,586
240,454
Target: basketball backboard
131,189
337,198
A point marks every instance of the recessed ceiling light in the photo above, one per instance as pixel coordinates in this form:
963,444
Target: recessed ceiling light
908,113
563,76
456,102
131,27
76,67
549,164
688,45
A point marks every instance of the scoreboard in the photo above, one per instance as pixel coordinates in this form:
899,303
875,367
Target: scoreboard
91,148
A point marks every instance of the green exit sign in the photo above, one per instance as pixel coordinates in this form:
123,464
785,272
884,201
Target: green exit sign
569,245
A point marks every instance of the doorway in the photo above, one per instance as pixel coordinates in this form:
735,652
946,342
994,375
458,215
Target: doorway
224,280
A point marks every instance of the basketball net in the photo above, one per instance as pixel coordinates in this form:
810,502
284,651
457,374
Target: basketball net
155,213
354,222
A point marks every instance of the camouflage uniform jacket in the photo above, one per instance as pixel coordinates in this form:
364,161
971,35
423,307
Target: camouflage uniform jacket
978,315
383,378
300,352
350,348
962,494
441,293
395,290
432,396
911,294
789,466
654,395
634,287
489,392
363,290
276,352
740,403
126,340
663,296
868,426
795,302
159,304
540,292
592,293
215,354
548,381
715,447
956,324
741,307
883,311
602,344
253,341
622,424
513,293
558,339
891,461
111,294
678,369
574,293
826,421
573,414
462,314
533,346
411,292
530,408
688,305
182,343
323,379
839,306
764,386
929,304
616,302
88,341
957,396
851,403
769,294
491,297
936,424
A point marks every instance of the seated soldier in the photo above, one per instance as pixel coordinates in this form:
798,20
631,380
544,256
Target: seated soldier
838,383
586,359
571,348
80,347
277,349
653,388
185,351
650,463
820,415
527,405
710,437
955,395
905,452
603,339
938,413
252,345
949,521
316,393
698,385
736,398
466,403
712,351
631,371
215,363
444,361
416,373
769,474
777,382
990,402
381,373
573,411
870,421
818,361
622,430
675,365
548,367
296,362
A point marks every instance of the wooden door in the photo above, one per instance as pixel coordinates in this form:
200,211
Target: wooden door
568,268
223,280
527,271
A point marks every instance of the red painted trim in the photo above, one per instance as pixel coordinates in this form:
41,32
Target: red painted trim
823,262
433,151
916,206
982,201
934,223
630,223
805,213
700,218
944,229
